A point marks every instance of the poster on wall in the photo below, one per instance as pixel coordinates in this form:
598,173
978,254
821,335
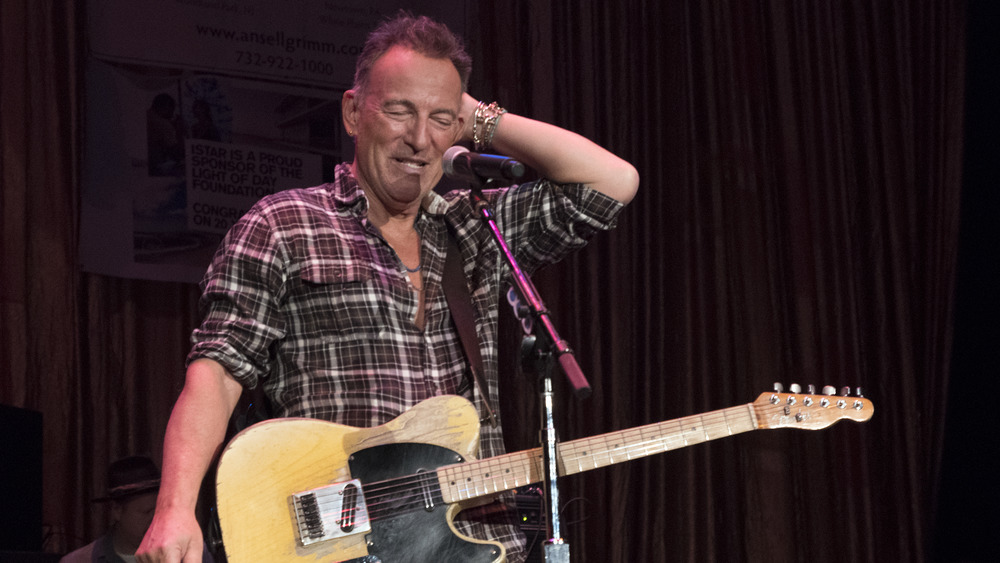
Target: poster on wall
202,108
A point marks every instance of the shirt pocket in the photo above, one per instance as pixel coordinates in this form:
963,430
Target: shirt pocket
342,301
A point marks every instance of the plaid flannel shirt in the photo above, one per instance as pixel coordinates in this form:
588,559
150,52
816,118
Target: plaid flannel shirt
305,298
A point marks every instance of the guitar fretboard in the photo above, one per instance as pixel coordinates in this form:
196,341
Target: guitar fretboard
493,475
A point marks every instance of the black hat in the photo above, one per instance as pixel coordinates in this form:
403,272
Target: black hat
130,476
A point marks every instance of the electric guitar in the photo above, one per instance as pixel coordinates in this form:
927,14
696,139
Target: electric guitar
296,489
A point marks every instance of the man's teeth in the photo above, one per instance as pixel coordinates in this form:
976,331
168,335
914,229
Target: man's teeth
412,164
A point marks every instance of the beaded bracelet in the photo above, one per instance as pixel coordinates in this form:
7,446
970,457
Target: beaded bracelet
487,117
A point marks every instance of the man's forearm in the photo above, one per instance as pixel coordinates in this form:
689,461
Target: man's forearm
558,154
195,432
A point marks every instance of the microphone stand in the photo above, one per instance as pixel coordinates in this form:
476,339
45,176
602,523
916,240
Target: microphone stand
537,355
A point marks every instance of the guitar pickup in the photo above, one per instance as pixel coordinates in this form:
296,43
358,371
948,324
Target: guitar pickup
330,512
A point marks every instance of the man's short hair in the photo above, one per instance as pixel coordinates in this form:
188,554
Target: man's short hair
418,33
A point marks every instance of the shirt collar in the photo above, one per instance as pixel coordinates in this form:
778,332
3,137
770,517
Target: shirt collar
434,204
347,192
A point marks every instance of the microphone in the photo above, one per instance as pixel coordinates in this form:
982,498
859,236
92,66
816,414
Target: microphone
458,162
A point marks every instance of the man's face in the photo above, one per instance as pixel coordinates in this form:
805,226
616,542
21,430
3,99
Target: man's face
134,515
408,116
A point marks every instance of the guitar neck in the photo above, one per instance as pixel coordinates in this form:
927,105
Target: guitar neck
493,475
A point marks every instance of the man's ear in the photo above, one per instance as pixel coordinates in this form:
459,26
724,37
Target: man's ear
459,131
350,109
116,511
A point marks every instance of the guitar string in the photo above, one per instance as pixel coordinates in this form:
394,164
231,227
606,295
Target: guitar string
668,435
396,491
380,489
660,442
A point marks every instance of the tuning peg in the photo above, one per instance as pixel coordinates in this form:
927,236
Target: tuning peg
858,392
812,389
778,387
845,391
795,388
829,390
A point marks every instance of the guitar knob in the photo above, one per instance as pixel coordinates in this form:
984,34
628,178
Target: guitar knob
829,390
778,387
845,391
812,389
795,388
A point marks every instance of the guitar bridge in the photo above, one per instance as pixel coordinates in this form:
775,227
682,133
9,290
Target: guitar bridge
330,512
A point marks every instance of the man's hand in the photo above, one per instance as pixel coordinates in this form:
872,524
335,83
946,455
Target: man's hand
173,537
468,113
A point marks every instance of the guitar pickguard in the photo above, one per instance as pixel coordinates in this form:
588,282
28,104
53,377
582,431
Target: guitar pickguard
408,516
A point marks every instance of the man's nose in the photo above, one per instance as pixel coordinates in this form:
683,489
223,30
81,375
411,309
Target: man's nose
418,134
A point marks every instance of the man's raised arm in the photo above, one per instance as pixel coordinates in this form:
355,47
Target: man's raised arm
557,154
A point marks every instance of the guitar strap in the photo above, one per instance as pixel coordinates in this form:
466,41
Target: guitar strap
456,291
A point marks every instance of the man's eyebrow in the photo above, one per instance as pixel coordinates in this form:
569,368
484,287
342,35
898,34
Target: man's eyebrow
405,103
413,107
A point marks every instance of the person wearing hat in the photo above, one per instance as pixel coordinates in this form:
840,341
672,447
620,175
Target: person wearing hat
132,486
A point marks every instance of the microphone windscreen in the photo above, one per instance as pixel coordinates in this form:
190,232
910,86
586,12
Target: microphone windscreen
448,160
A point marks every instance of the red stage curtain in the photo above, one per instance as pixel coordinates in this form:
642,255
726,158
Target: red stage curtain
797,221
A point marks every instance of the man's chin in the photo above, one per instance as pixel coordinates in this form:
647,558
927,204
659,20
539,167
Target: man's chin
418,184
406,190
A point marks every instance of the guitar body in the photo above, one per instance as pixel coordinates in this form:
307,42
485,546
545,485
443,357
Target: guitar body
269,462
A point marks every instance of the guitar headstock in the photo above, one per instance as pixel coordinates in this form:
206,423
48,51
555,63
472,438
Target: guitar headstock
810,411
